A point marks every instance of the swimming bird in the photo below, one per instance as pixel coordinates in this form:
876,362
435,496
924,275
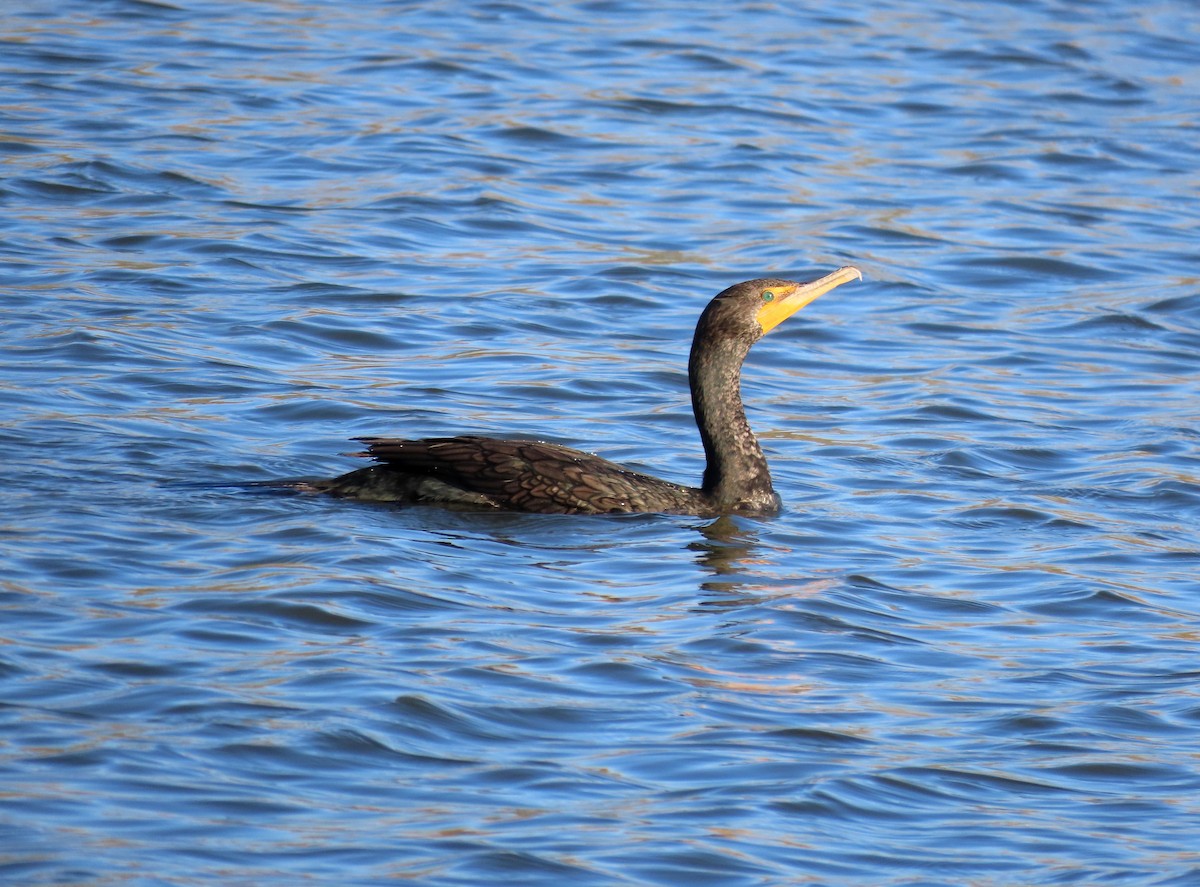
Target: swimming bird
545,478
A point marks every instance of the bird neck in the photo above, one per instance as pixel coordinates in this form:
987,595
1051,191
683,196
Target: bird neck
736,472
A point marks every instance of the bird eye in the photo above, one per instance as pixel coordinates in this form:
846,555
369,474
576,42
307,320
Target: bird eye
768,296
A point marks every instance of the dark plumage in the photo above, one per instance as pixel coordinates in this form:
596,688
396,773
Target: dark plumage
527,475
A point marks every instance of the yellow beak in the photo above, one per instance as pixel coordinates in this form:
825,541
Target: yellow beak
790,299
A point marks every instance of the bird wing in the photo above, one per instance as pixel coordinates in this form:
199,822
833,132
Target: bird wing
526,475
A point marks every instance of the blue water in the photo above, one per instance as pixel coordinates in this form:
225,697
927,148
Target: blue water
233,235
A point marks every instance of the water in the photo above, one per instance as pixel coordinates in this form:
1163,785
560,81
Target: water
234,235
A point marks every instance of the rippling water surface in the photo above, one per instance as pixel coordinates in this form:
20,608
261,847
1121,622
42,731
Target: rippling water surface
233,235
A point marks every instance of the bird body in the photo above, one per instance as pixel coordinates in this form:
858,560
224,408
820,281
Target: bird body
533,476
513,475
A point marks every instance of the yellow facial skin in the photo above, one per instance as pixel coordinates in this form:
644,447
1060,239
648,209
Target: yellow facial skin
788,299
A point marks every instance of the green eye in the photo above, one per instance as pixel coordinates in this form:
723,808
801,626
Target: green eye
768,296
